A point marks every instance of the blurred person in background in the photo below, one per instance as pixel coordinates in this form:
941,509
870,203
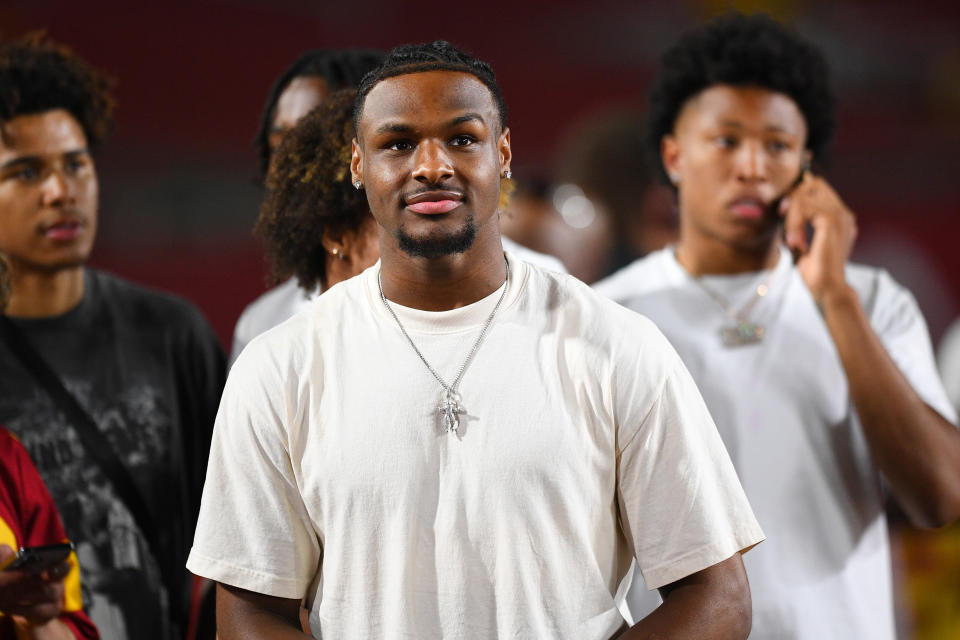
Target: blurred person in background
819,373
314,222
300,88
607,159
531,219
34,605
606,206
111,388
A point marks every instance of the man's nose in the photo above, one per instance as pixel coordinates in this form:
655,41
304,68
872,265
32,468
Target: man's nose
433,164
751,161
57,190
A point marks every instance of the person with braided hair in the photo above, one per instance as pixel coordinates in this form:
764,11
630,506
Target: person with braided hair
457,443
299,247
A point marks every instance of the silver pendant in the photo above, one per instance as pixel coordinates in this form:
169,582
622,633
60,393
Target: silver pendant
449,411
742,334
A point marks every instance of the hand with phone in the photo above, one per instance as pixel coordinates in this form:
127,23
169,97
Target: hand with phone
821,259
35,592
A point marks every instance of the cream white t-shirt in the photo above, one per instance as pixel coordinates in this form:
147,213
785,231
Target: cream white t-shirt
286,299
948,359
784,411
584,443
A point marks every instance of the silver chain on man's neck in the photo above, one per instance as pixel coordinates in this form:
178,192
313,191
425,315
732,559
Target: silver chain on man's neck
743,332
449,408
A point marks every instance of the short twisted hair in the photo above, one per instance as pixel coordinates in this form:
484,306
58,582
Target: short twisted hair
309,192
37,75
439,55
743,51
341,69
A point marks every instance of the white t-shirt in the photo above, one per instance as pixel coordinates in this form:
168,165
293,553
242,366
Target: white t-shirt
284,300
584,443
948,358
784,411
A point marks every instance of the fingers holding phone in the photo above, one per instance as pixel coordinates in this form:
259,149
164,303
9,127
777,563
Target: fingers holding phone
814,206
31,583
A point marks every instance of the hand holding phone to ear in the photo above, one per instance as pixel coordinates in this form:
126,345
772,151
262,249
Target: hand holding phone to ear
821,259
36,596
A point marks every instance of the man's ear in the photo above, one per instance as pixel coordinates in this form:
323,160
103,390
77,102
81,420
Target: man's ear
504,152
671,158
331,240
356,162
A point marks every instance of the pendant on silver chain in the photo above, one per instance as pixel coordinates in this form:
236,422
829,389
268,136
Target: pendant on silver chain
742,334
449,411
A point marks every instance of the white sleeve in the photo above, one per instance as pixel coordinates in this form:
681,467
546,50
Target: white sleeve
254,531
681,504
899,324
241,336
948,358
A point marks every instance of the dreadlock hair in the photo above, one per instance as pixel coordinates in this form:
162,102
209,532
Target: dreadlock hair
37,75
309,192
743,51
341,70
439,55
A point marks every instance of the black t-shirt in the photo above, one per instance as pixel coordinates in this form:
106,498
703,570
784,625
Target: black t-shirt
149,370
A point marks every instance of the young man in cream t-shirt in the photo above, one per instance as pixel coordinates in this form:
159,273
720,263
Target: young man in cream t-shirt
481,447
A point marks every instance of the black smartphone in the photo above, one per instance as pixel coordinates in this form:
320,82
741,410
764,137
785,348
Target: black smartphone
40,558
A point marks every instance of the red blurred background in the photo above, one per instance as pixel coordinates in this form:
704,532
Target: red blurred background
178,195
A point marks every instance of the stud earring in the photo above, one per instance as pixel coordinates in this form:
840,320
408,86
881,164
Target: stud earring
339,255
357,185
674,179
508,174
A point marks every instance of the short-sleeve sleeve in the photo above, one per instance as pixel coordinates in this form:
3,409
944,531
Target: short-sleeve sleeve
899,324
681,504
254,531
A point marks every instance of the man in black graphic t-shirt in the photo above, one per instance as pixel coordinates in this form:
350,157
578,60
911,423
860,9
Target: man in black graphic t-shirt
144,366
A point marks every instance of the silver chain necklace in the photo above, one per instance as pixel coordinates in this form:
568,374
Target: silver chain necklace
742,332
449,408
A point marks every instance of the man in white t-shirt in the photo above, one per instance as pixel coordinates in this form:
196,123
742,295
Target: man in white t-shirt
481,446
300,89
819,374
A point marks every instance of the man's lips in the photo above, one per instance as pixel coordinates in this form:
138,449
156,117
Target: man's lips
748,208
64,230
434,202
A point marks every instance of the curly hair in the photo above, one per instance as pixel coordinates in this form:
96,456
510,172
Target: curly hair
37,75
744,51
341,69
309,192
439,55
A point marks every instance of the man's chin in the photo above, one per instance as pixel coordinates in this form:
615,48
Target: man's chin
437,244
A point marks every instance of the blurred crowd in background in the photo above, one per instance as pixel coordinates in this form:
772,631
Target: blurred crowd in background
180,174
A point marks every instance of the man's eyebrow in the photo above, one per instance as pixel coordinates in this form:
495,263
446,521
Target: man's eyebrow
31,160
393,127
467,117
22,160
775,128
